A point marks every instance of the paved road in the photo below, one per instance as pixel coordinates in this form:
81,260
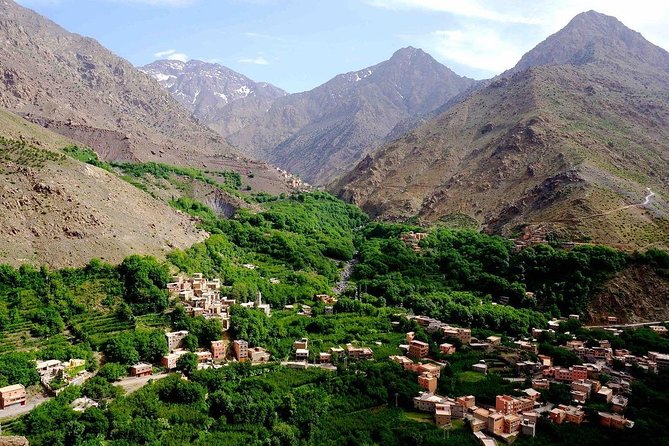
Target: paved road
131,384
17,411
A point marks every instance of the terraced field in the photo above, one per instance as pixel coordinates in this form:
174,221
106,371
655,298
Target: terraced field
100,326
18,337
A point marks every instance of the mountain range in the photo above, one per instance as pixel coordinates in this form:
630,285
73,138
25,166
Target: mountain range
217,96
76,87
570,143
321,133
573,141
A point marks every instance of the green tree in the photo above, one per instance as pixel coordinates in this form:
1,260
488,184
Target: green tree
151,345
187,363
112,371
18,368
190,342
121,349
98,389
145,280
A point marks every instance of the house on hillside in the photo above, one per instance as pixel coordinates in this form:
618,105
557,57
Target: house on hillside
141,369
11,395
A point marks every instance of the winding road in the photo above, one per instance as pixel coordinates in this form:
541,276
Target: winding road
645,202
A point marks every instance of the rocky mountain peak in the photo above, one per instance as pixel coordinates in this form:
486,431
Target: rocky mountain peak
412,54
218,96
322,132
570,141
78,88
592,37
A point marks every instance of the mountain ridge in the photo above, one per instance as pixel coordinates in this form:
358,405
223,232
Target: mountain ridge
76,87
217,96
60,212
594,37
318,133
545,148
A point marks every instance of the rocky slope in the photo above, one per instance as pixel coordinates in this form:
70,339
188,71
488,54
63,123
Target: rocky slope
217,96
61,212
321,133
76,87
638,294
566,142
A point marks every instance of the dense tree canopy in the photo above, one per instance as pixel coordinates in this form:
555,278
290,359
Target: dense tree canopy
144,279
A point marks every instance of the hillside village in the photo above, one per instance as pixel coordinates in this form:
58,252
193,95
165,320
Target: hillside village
505,420
401,255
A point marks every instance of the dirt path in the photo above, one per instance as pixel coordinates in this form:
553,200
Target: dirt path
635,325
650,195
645,202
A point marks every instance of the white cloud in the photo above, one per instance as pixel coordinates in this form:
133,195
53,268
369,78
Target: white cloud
492,35
546,14
259,60
465,8
483,49
171,54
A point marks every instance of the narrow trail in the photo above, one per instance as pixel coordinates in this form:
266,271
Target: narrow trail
633,325
645,202
622,208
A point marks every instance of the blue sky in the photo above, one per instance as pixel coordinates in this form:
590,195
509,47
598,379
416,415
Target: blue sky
299,44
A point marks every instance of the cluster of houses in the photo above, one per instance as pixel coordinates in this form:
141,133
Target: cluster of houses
292,181
584,383
326,299
432,325
175,343
604,355
54,375
305,310
518,415
302,309
244,353
428,373
301,352
202,297
596,358
258,304
510,417
412,239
